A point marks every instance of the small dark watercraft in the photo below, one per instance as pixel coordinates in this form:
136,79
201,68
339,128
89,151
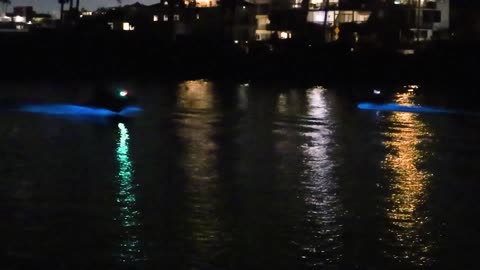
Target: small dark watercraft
112,99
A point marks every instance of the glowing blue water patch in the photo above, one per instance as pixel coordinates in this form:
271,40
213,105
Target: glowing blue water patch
76,110
130,111
392,107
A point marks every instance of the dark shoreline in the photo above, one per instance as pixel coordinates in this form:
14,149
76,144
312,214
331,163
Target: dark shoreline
120,56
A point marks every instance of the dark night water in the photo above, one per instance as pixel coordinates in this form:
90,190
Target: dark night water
216,176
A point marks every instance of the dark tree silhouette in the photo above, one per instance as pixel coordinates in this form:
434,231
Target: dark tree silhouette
62,8
5,4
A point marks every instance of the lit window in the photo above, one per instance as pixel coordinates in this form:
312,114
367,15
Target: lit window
111,25
166,3
19,19
284,35
205,3
176,17
165,18
155,18
198,16
128,27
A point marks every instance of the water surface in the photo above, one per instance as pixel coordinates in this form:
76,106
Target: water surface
219,175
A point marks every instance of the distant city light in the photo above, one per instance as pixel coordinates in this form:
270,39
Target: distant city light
123,93
19,19
285,35
128,27
155,18
236,41
377,92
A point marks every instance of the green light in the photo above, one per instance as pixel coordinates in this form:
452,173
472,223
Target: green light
130,246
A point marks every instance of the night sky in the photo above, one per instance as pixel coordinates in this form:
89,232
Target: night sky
51,6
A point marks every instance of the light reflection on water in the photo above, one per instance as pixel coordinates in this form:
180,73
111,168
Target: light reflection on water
129,215
196,116
320,193
309,112
283,177
408,185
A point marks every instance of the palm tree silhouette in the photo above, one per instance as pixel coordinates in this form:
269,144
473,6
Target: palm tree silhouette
5,4
62,10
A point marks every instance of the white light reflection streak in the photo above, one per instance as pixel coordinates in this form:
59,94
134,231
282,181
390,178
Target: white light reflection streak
320,188
130,245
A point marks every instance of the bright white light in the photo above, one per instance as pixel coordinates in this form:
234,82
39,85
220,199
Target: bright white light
123,93
126,26
19,19
283,35
377,92
155,18
236,41
410,90
244,7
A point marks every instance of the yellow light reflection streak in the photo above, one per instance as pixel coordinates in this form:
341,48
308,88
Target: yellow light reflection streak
130,245
196,101
407,189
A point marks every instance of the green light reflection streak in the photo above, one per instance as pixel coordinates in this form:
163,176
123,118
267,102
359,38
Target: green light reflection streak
130,244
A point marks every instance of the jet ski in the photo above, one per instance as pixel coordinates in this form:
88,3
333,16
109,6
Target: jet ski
114,100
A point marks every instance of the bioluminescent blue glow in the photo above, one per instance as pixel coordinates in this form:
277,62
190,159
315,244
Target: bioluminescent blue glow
76,110
392,107
130,244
